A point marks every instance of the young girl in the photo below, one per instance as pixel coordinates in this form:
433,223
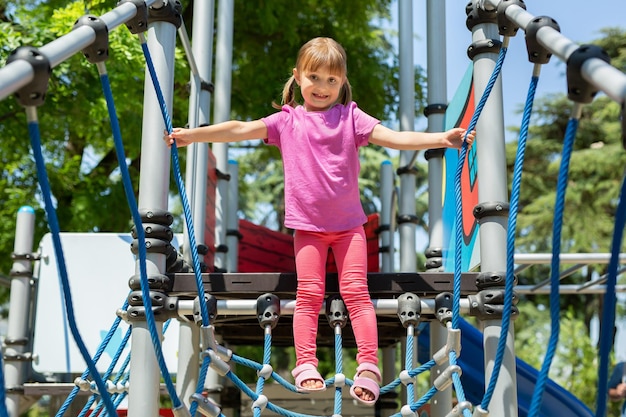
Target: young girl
319,143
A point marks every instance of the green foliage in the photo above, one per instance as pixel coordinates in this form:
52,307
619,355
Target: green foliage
74,122
575,364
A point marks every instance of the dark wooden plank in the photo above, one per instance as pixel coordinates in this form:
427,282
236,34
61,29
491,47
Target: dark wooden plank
385,285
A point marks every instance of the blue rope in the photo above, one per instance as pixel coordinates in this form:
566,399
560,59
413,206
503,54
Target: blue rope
53,223
122,371
608,313
254,365
130,197
408,363
252,395
456,381
555,308
96,358
421,402
267,355
181,185
339,370
511,230
3,405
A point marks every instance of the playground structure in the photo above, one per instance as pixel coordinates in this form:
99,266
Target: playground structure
237,294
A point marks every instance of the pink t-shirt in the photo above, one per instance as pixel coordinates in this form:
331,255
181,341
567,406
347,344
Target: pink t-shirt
320,152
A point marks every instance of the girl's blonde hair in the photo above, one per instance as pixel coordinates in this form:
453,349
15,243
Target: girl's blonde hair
315,54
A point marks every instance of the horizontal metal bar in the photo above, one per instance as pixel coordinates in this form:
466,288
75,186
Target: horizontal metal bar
566,258
19,73
383,307
600,74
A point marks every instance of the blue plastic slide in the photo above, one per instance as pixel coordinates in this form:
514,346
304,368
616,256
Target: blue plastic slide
556,401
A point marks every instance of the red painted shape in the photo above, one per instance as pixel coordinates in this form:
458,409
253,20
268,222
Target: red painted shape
209,222
265,250
469,179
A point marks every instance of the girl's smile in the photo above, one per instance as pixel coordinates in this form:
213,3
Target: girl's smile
320,89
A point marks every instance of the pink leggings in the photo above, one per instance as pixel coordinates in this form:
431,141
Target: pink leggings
350,250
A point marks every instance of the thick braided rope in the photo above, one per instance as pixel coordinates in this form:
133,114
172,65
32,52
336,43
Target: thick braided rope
130,196
97,356
511,230
53,222
608,312
555,308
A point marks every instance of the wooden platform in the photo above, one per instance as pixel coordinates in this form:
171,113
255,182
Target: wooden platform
246,330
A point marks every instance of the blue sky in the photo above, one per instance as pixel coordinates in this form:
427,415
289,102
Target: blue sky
580,21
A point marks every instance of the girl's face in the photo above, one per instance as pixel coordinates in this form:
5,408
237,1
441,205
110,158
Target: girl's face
320,89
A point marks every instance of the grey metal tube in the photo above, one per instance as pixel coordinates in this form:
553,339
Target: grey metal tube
232,219
19,307
153,194
386,215
199,114
223,80
597,72
18,73
441,402
241,307
492,187
407,209
201,59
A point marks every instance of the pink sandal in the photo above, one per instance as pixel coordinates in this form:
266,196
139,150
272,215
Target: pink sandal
366,384
307,372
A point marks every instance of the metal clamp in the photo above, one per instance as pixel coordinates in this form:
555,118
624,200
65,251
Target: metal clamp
139,23
537,53
34,93
268,310
98,50
580,90
505,26
409,309
336,311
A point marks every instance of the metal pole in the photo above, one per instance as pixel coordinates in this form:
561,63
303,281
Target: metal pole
19,73
407,209
16,340
386,244
387,215
223,78
441,402
221,113
196,180
153,194
232,220
492,187
600,74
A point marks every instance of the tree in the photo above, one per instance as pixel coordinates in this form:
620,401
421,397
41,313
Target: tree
74,122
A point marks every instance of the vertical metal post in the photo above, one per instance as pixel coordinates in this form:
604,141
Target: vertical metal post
143,393
199,114
196,182
407,209
386,216
492,187
16,340
441,402
387,223
223,79
232,220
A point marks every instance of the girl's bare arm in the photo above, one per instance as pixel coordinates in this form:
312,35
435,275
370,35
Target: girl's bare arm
409,140
230,131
